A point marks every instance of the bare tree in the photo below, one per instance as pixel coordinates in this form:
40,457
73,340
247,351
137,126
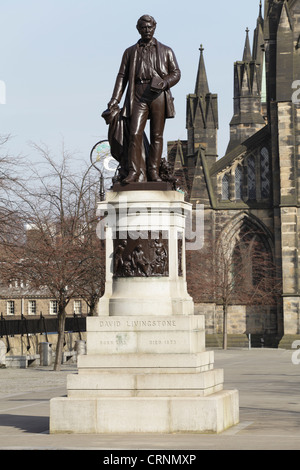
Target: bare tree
239,271
90,285
10,172
57,207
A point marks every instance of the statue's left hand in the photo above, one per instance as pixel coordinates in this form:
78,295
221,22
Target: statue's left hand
113,102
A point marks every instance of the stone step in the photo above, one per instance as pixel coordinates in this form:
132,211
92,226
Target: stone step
242,341
104,415
172,363
233,341
287,342
141,384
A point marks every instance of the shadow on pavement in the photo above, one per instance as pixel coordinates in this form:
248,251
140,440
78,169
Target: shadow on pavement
31,424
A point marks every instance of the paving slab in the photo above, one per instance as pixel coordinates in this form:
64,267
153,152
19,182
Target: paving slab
267,379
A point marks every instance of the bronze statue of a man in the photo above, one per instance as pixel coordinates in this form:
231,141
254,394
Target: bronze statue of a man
150,69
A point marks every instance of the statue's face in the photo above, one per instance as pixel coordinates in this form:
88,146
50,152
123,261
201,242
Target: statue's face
146,30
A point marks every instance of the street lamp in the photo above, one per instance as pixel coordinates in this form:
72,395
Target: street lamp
97,155
102,160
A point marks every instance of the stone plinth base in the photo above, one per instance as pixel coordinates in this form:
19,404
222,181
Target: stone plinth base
212,414
146,368
145,375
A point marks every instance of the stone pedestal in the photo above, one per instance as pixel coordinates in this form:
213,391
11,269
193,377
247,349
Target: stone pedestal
145,255
146,367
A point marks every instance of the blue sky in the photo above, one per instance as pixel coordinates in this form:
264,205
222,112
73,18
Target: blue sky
59,60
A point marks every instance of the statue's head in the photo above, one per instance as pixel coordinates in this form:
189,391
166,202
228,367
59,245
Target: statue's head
146,27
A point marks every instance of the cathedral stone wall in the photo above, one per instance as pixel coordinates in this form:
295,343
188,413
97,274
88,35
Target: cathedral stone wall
242,319
255,186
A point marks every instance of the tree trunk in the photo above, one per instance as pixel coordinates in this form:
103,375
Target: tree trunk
224,326
92,307
60,339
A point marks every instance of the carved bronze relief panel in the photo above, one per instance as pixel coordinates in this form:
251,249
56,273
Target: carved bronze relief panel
143,257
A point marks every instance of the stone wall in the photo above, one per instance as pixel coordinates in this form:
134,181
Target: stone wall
288,143
291,307
242,319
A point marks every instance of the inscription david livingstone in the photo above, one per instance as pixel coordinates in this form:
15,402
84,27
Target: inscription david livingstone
136,323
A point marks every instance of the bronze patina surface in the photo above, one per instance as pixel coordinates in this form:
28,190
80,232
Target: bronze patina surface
148,70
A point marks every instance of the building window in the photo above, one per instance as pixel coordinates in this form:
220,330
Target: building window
225,187
252,264
251,178
10,307
265,173
53,307
238,176
31,307
77,307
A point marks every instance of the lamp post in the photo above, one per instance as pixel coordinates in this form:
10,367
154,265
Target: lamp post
100,159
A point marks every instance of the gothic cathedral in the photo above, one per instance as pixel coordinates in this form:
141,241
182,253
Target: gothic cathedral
253,192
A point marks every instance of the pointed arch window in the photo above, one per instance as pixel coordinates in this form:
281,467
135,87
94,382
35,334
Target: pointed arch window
238,179
251,178
252,264
265,173
225,187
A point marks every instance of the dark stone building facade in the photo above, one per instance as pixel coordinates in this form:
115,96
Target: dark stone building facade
255,186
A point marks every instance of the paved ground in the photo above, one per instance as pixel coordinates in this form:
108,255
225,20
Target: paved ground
268,384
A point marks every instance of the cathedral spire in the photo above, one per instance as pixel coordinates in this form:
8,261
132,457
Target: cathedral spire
260,17
201,88
247,56
202,115
247,117
258,38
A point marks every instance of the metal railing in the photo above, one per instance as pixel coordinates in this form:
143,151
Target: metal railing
43,325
